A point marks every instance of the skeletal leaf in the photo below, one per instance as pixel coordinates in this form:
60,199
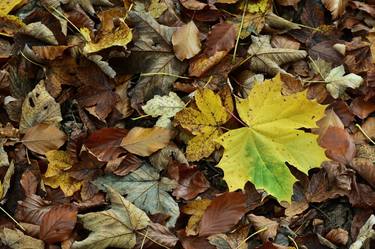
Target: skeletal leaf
186,41
145,189
115,227
265,58
337,82
164,106
258,153
39,107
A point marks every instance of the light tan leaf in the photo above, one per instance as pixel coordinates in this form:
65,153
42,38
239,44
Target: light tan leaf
145,141
193,4
265,58
115,227
15,239
39,107
337,7
186,41
43,138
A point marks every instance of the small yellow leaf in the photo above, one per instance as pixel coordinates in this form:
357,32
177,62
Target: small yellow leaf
10,25
57,176
120,36
205,122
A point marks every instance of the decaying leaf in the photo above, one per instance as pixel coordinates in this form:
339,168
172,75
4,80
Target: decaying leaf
16,239
336,7
261,222
205,123
115,227
42,138
145,141
41,32
146,190
57,176
337,82
265,58
164,106
186,41
258,153
196,209
39,107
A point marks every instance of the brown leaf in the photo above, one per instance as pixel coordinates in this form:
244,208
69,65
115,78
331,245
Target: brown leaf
339,144
105,144
365,168
58,224
193,4
145,141
261,222
193,242
288,2
223,213
162,235
185,40
338,236
222,37
43,138
337,7
49,52
191,181
362,108
124,165
202,63
369,128
32,209
29,183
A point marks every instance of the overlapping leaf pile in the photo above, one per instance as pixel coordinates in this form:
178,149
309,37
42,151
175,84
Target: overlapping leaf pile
193,124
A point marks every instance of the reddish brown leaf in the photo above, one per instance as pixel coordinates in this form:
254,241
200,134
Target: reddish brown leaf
104,144
223,213
362,108
338,236
339,144
29,183
162,235
58,224
191,181
49,52
124,165
32,209
222,37
261,222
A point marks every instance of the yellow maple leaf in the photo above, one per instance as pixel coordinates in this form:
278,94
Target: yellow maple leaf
258,153
205,123
120,36
7,6
57,176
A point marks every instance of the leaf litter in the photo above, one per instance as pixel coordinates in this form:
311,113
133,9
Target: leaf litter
187,124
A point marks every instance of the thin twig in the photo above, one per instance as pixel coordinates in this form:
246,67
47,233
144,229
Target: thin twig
239,32
364,133
251,235
14,220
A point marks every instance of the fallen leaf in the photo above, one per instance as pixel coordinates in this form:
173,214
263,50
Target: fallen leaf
196,209
164,106
7,6
145,141
146,190
261,222
193,4
223,213
366,232
236,240
362,108
185,40
58,224
152,54
119,36
32,209
273,121
336,7
39,107
222,37
16,239
105,144
338,236
40,31
369,129
337,82
162,235
265,58
115,227
42,138
191,181
205,123
49,52
57,175
165,156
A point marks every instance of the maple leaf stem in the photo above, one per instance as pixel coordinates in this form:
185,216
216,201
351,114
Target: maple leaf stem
164,74
239,120
251,235
140,117
313,62
14,220
239,33
29,60
364,133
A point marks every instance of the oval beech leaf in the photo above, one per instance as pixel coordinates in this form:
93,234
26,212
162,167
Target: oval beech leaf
145,141
43,138
58,224
223,213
